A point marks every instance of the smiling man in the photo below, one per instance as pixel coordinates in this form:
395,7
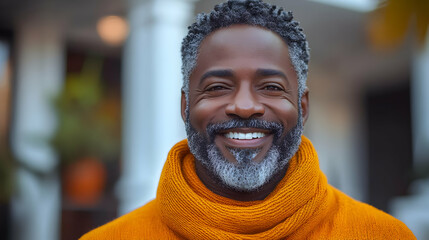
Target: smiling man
246,171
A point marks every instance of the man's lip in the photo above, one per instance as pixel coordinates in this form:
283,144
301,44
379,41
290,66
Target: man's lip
245,143
245,130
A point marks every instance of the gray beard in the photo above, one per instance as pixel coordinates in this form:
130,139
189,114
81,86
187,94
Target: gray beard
246,176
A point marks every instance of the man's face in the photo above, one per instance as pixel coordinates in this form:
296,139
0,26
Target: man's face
243,118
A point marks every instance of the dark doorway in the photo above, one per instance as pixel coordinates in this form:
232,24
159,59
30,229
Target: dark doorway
389,143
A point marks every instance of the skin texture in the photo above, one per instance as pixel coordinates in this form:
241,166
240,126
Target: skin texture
243,72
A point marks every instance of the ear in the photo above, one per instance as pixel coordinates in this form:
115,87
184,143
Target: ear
183,106
305,106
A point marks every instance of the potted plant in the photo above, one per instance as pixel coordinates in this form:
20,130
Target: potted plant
87,134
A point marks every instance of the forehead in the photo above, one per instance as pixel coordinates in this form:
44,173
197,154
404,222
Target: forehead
244,46
243,36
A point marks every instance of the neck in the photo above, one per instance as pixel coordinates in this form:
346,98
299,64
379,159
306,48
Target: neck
217,187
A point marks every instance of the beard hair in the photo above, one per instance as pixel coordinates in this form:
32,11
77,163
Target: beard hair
246,176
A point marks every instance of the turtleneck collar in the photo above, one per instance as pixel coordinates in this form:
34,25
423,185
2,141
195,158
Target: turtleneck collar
298,203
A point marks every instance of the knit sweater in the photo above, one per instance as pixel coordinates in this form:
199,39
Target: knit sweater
302,206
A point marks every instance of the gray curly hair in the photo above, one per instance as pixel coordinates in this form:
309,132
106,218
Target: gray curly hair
250,12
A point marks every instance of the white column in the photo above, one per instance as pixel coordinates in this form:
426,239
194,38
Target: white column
420,105
152,122
39,69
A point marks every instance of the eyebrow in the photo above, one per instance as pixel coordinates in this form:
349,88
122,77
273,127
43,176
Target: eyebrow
265,72
271,72
217,73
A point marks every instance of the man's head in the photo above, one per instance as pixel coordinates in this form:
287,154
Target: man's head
244,98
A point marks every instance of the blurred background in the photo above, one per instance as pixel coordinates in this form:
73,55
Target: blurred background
90,93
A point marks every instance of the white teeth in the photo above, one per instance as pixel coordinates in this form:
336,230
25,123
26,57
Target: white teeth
248,136
241,136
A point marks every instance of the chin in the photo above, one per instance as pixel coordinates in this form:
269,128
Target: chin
247,175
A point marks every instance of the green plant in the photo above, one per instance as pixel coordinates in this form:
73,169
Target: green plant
86,125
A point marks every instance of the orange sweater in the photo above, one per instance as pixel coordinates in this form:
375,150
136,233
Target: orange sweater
303,206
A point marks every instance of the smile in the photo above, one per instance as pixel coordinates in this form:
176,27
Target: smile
243,136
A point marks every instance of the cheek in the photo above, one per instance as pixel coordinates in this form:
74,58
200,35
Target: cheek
284,111
205,112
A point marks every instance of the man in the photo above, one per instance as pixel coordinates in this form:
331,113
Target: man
246,171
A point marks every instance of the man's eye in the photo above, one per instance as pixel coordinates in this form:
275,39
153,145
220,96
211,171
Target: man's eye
216,88
273,88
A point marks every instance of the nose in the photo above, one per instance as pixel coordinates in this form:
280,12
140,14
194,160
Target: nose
245,105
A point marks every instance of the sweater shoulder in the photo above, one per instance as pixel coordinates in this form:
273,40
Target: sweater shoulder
141,223
362,219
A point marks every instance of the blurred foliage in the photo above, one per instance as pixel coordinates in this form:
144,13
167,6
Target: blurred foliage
87,121
6,174
391,22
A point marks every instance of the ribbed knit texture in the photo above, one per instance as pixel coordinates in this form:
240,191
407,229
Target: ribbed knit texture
303,206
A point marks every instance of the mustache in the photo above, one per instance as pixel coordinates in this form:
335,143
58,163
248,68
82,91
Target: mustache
274,127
